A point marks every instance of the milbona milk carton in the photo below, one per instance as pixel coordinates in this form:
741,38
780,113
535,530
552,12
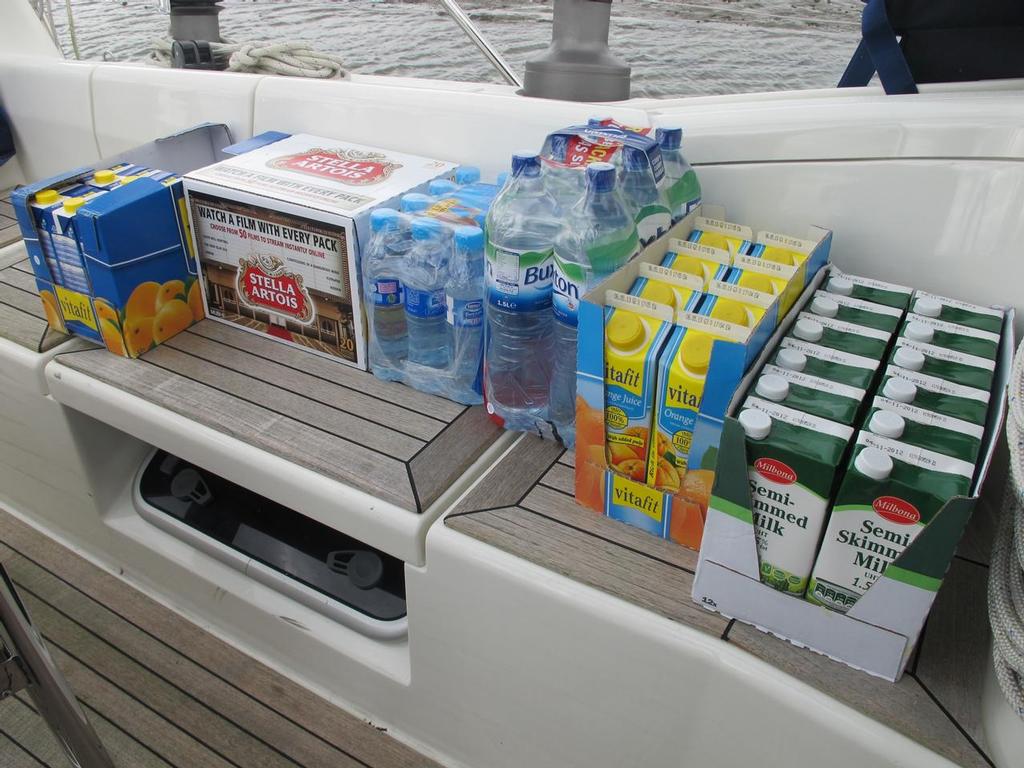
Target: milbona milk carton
793,461
705,261
889,493
825,363
958,367
962,338
835,334
867,289
803,392
856,311
960,312
635,332
681,291
922,428
934,394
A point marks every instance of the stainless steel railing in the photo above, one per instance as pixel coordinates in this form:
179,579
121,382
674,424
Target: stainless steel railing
497,60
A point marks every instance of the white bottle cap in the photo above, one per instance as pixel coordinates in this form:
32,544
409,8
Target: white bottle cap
873,463
772,387
756,424
907,358
823,305
887,424
900,390
808,330
928,307
793,359
919,332
840,285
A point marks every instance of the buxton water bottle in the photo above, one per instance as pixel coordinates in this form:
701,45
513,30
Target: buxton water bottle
600,237
424,278
640,190
415,202
464,295
683,186
441,187
522,225
467,174
383,262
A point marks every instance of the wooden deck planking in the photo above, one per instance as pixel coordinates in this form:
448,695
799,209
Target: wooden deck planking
10,232
20,721
929,705
319,414
161,691
22,319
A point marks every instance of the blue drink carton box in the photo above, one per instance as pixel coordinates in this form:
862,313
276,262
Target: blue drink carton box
110,245
279,229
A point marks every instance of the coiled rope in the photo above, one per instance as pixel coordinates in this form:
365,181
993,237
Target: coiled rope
1006,575
294,59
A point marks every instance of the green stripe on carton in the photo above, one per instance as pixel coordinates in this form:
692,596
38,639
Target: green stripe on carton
733,510
913,578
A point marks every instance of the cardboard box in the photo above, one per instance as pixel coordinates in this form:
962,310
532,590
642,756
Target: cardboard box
118,269
677,516
279,229
879,632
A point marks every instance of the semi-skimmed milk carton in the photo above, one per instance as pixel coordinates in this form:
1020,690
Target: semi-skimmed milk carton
793,461
803,392
856,311
889,493
958,367
961,338
960,312
825,363
279,231
925,429
867,289
935,394
835,334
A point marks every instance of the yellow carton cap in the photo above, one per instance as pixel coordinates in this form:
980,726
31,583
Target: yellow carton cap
104,177
47,196
695,351
72,204
660,294
730,311
624,330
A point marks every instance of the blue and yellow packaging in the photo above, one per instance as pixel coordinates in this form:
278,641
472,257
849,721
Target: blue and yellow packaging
703,261
786,280
719,233
681,291
637,504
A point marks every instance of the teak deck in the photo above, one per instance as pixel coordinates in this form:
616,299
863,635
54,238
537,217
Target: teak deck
527,509
162,692
22,319
386,439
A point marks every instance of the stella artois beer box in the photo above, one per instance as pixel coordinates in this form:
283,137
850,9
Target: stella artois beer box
279,230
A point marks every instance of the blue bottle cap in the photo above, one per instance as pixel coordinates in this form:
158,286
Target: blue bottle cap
526,164
669,138
415,201
635,159
384,218
467,174
601,177
426,228
439,187
469,238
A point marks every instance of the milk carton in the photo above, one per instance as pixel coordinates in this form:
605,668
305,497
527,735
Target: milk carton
836,334
959,367
924,429
279,231
793,460
803,392
962,338
935,394
856,311
889,493
960,312
866,289
825,363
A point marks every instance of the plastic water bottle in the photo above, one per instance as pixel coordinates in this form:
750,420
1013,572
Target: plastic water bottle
522,225
502,178
414,202
642,195
385,297
464,296
467,174
441,187
424,278
600,237
683,185
565,183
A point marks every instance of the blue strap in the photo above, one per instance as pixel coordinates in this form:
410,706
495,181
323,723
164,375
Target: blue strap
878,51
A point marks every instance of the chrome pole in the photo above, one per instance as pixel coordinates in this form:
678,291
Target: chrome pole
497,60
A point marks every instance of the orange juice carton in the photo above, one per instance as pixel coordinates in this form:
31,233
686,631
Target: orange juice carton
720,233
704,261
110,245
790,251
783,280
279,229
681,291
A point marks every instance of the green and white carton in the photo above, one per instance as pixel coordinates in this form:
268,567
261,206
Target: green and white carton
818,397
856,311
948,364
962,338
825,363
935,394
959,312
926,429
837,334
878,634
867,289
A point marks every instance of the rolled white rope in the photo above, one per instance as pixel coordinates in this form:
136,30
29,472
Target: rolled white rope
1006,575
293,59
